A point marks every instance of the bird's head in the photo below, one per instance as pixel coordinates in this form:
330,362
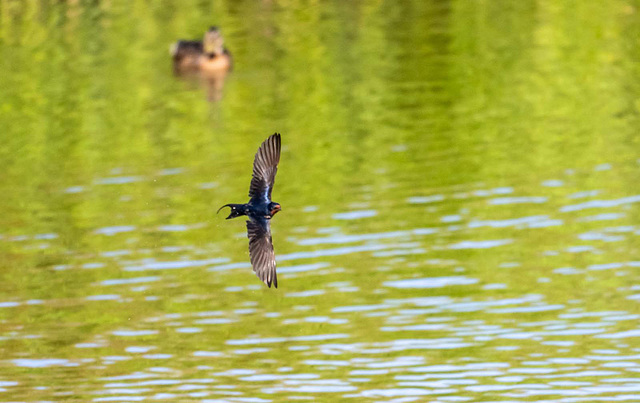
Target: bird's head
212,42
274,208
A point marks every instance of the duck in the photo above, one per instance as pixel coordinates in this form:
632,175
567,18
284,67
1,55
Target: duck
206,56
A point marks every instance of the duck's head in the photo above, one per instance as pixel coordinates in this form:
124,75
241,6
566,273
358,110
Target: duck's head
213,42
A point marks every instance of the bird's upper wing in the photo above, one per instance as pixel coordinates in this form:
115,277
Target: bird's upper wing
263,258
265,166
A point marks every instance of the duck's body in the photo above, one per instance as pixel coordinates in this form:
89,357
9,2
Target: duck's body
186,55
208,55
214,62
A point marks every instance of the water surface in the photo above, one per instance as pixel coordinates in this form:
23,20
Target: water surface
459,187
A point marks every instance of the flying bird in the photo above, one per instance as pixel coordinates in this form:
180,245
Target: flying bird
260,209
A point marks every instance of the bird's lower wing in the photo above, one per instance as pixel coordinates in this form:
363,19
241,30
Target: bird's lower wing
263,258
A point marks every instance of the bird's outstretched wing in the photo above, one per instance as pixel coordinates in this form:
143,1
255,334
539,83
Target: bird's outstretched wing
263,258
265,166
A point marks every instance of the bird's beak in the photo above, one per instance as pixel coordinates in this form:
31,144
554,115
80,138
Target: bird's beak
276,208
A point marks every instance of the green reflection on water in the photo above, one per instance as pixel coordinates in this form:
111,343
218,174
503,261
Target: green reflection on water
440,120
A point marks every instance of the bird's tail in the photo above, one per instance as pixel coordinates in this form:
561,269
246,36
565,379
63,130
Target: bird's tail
237,210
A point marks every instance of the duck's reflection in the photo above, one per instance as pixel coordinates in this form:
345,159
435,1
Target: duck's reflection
207,61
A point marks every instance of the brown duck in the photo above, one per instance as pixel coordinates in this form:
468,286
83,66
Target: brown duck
208,55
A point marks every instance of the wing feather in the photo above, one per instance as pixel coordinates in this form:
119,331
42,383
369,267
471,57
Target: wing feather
263,258
265,166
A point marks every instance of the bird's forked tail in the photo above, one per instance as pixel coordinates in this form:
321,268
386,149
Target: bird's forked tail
237,210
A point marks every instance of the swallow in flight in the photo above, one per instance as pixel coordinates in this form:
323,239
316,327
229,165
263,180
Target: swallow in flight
260,209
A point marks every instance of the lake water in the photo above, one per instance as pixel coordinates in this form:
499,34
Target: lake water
459,183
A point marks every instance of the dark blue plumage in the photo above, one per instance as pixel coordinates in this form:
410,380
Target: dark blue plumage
260,209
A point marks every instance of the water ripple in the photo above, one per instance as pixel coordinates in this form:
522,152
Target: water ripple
180,264
601,203
431,282
342,239
480,244
518,200
318,337
115,229
355,215
117,180
42,362
135,280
